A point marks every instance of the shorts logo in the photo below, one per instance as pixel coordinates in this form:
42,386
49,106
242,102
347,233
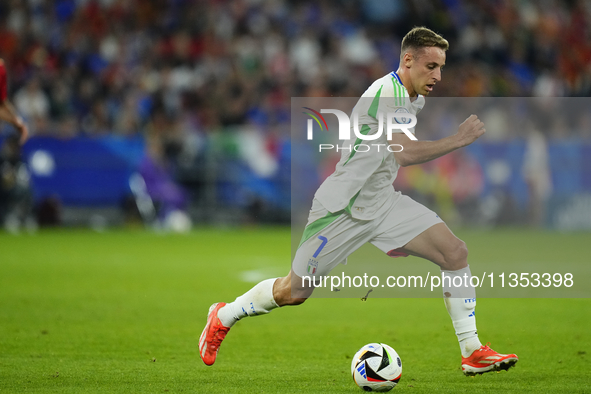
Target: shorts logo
312,266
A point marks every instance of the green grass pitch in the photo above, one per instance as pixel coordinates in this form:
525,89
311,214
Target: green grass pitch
121,312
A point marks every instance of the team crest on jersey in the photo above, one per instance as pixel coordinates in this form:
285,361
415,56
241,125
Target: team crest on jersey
402,119
312,266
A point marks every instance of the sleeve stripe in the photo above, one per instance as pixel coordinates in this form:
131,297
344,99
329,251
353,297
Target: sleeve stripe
373,108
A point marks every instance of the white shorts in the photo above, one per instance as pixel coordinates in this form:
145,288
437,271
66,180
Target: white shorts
329,238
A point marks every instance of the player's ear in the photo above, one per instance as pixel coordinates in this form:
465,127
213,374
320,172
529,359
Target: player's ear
407,59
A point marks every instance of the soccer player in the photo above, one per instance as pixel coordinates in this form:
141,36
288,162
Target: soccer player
7,110
358,204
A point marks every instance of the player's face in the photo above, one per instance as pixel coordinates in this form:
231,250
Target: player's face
425,70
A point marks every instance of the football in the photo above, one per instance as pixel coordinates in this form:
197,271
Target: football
376,367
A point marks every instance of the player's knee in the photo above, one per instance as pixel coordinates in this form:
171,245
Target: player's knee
456,255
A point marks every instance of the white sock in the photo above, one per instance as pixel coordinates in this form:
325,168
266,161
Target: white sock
460,302
256,301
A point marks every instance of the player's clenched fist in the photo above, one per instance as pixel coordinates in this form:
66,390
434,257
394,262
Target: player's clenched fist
470,130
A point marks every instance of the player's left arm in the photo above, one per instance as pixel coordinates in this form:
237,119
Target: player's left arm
418,152
8,114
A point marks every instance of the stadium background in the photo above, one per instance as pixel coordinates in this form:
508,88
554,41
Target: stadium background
195,97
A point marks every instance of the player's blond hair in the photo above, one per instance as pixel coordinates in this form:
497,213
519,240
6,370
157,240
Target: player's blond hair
421,37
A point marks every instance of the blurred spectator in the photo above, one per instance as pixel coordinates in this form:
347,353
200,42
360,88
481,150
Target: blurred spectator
169,200
16,200
536,172
15,194
32,102
7,110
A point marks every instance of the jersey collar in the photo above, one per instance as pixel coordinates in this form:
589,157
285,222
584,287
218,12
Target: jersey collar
393,73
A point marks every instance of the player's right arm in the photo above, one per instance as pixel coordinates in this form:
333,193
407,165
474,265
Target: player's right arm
7,111
418,152
8,114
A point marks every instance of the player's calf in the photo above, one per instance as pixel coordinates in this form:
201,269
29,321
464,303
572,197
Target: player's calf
290,290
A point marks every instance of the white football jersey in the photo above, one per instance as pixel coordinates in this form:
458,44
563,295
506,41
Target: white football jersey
362,181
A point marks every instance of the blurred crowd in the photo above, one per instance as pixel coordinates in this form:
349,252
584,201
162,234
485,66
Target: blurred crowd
182,68
207,84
